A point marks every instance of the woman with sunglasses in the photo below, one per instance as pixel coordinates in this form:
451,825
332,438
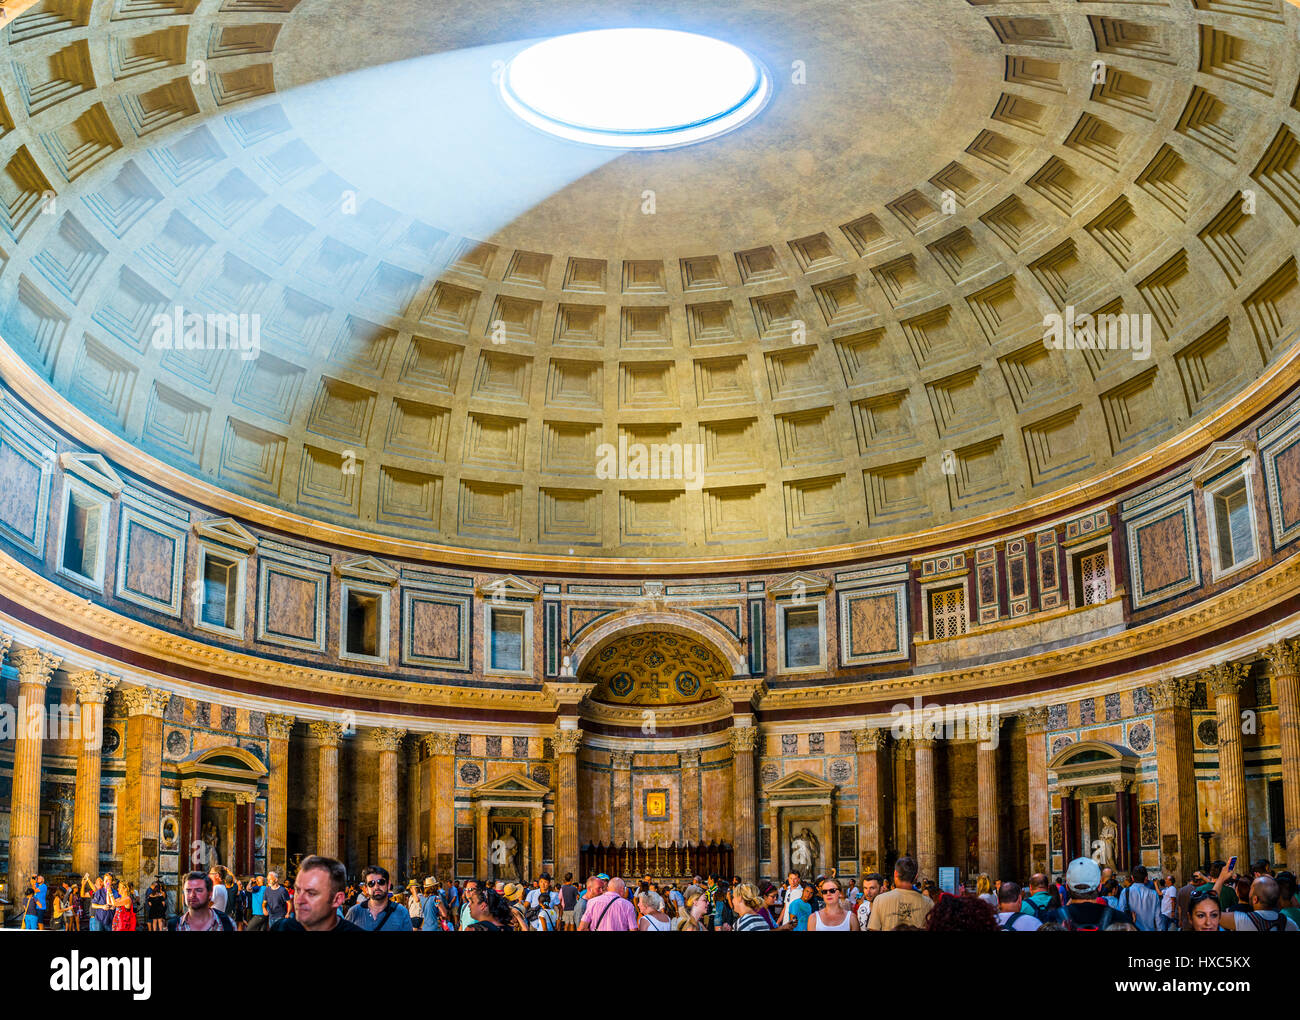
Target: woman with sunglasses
1203,908
833,916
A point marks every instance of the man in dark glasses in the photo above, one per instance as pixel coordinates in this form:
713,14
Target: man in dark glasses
379,912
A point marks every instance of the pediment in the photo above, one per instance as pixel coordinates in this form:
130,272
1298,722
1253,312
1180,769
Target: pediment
800,783
1218,458
514,785
798,584
93,468
367,568
510,587
226,531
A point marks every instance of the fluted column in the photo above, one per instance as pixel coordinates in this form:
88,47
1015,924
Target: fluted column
441,749
927,824
1175,767
34,671
142,798
411,758
481,862
386,741
567,839
1224,682
988,806
1040,803
328,734
620,814
278,728
689,761
744,822
92,691
871,798
1284,660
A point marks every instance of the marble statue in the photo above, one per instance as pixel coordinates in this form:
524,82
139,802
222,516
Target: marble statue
505,854
803,852
1103,848
210,838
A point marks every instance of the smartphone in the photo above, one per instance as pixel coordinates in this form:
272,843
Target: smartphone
1232,864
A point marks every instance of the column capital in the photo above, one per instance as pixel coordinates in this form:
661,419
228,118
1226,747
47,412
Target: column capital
191,788
35,666
1035,718
1225,678
620,759
327,731
5,641
246,797
1283,657
439,743
742,738
869,740
567,741
1175,692
688,758
92,687
278,727
922,743
385,738
145,701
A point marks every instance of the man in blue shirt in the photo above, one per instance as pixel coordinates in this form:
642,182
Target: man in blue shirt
1143,902
36,905
256,894
103,904
379,913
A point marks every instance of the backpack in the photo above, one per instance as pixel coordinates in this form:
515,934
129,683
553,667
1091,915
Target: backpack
1109,916
1277,924
1010,923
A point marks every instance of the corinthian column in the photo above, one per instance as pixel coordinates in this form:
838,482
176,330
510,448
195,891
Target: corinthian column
441,748
34,671
927,823
1284,659
871,798
986,779
1040,804
744,822
278,728
1224,682
386,742
1175,768
142,797
328,734
567,842
92,691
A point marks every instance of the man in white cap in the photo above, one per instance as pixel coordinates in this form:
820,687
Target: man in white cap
1084,912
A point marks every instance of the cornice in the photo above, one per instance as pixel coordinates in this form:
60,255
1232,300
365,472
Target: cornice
36,391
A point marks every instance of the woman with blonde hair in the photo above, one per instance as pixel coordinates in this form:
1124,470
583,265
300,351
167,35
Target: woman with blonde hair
748,904
697,905
984,891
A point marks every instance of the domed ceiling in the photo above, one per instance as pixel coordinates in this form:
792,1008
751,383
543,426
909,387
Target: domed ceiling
471,334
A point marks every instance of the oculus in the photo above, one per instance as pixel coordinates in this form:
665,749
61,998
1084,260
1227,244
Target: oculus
635,88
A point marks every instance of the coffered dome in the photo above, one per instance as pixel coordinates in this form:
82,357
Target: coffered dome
465,332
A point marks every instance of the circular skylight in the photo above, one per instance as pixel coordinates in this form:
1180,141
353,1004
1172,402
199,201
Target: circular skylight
635,88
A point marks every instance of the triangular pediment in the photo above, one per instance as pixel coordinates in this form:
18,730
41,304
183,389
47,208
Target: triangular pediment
367,568
800,783
799,583
226,531
92,468
512,784
511,587
1218,458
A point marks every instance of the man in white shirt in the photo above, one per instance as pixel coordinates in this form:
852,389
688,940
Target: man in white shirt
793,890
1264,913
1009,916
871,886
1168,903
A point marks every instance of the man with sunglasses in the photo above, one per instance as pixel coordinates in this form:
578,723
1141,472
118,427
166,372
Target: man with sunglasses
379,913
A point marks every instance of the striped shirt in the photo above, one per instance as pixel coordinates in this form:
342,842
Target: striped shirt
751,922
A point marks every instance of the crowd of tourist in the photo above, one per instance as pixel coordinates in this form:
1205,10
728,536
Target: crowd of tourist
1086,898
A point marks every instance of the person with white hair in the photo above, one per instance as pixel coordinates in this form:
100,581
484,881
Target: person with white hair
610,911
651,906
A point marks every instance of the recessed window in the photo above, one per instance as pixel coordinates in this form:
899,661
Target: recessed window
85,518
1091,578
222,583
802,637
947,613
365,623
635,88
1233,525
507,651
